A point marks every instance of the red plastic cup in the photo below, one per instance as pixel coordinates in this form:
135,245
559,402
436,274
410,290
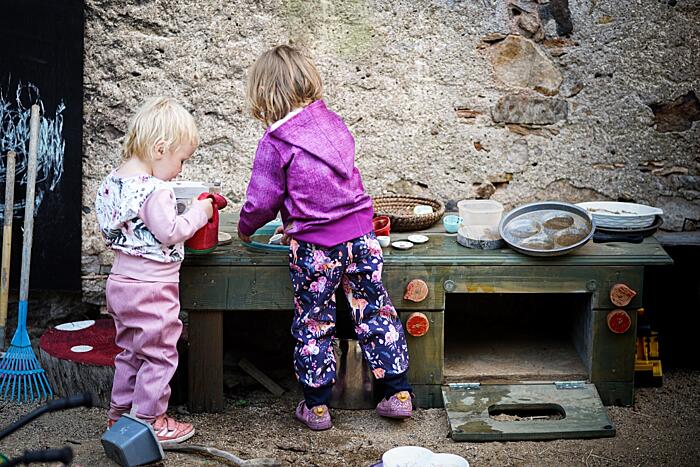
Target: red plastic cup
381,225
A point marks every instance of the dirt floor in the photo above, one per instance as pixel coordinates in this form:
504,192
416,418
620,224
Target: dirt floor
663,428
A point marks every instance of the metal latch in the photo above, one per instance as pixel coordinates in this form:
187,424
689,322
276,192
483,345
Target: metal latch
464,385
569,384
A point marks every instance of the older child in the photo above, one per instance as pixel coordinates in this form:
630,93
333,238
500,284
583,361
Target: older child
305,168
138,218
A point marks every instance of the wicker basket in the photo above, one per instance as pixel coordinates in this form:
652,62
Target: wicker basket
400,211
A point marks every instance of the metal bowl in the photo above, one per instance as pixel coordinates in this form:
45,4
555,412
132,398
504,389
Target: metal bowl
583,214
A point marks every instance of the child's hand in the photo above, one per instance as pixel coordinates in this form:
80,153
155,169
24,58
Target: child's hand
243,237
285,239
204,204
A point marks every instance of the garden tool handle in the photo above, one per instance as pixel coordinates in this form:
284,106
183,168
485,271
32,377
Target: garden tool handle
64,455
7,241
29,203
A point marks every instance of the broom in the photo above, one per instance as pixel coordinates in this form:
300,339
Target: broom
21,376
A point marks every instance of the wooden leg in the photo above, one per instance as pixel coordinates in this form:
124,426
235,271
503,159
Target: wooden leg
206,362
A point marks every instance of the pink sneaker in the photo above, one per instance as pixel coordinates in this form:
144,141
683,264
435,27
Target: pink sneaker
317,418
397,406
170,430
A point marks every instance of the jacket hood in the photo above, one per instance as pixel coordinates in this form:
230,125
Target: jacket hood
321,133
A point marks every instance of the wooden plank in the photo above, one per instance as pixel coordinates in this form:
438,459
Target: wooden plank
443,249
426,353
612,355
396,279
260,377
427,396
204,288
543,280
472,412
616,393
206,354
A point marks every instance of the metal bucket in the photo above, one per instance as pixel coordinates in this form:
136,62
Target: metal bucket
354,385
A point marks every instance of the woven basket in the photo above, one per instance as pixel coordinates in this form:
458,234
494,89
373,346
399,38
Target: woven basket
400,211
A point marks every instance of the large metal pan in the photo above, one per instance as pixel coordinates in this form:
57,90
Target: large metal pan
583,222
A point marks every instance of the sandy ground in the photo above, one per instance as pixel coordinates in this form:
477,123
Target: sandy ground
663,428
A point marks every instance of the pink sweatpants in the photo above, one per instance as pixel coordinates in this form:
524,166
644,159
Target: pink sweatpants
146,319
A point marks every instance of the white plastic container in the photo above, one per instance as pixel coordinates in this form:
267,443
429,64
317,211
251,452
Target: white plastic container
480,212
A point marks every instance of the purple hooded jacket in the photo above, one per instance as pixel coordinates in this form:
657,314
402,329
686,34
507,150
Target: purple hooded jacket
305,168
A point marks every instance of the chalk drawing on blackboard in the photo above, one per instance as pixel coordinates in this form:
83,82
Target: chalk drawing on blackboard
14,136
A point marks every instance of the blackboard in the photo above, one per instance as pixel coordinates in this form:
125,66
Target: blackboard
41,45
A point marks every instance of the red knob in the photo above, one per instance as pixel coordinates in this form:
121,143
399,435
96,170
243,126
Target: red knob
416,291
621,294
619,321
417,324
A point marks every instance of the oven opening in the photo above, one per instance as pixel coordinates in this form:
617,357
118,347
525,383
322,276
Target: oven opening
510,338
526,412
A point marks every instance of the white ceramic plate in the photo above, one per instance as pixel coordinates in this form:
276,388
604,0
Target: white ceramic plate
75,325
402,245
418,239
81,348
620,215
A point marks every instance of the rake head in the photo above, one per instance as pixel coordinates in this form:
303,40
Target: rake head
21,377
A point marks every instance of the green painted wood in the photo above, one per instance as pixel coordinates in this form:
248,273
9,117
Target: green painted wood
612,355
428,396
443,249
470,420
616,393
206,355
537,279
426,353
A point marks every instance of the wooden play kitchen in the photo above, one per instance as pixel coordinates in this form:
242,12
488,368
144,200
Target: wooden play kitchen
491,333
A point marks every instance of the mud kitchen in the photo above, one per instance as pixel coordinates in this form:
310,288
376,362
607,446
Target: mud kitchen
494,335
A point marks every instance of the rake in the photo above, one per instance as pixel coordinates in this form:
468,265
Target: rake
21,376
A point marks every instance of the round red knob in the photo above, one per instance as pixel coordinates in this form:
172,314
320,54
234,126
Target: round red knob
619,321
417,324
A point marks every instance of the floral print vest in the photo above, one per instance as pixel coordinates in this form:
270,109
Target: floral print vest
119,200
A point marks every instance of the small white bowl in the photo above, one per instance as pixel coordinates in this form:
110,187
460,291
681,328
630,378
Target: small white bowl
275,239
384,240
407,456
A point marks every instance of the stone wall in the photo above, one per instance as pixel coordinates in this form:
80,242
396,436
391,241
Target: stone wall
515,100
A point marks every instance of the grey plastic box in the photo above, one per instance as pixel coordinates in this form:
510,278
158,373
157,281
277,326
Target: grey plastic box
132,442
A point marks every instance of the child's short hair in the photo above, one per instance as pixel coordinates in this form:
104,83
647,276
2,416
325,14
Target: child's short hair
279,81
159,119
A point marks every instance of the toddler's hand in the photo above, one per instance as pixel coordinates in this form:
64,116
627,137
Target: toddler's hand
243,237
285,239
204,204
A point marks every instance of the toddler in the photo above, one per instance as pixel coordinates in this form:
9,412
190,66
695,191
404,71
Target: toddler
305,168
138,219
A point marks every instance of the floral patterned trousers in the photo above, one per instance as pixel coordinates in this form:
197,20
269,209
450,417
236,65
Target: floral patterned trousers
316,273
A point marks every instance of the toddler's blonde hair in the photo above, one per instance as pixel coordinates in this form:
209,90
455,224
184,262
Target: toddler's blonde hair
279,81
159,119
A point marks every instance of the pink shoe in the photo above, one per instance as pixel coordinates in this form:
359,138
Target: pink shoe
317,418
170,430
397,406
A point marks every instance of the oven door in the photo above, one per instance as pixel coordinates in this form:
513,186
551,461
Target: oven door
526,411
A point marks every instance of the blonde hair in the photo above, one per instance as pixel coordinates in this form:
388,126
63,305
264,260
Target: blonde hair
159,119
279,81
